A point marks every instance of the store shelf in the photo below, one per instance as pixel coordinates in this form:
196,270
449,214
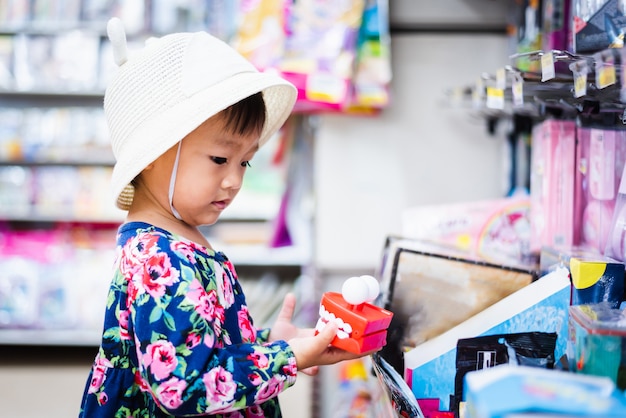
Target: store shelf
51,337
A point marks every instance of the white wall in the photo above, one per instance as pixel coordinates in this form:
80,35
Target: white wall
421,150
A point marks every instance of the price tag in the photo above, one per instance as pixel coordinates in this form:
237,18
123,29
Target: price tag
501,78
547,66
580,70
606,76
495,98
518,91
605,69
478,93
580,84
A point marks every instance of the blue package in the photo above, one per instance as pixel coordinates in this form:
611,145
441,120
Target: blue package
503,390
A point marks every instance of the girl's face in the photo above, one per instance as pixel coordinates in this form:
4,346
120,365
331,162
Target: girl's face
210,172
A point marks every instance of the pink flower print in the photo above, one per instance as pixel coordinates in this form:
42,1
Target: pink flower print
234,414
136,251
291,369
132,292
229,296
220,387
141,383
209,340
102,398
229,265
160,356
170,392
259,359
224,286
254,411
101,364
248,333
123,320
193,339
205,303
269,389
158,273
255,379
185,250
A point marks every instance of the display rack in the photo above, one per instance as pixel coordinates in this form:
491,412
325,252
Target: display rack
564,85
57,224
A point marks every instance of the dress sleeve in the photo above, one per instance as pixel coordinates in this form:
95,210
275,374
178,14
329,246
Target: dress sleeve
197,350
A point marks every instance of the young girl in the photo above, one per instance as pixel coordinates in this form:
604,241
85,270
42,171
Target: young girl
186,116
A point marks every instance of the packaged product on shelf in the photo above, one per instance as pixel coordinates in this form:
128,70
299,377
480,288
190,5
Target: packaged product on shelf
597,25
16,191
542,306
6,62
260,35
18,293
552,185
372,74
597,333
495,229
14,14
50,62
423,277
616,241
556,25
54,14
530,349
508,391
320,52
524,29
595,277
418,279
600,161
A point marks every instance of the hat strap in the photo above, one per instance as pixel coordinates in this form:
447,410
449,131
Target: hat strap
173,182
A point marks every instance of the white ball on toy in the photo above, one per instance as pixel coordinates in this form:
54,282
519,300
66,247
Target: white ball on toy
373,288
355,291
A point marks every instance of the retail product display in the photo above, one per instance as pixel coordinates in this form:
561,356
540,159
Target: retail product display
600,161
598,25
530,349
362,326
552,183
430,367
509,390
616,243
419,278
495,229
596,341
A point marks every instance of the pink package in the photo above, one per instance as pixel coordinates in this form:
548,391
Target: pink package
552,184
616,240
490,229
601,155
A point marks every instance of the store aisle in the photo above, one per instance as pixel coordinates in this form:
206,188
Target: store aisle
41,390
38,382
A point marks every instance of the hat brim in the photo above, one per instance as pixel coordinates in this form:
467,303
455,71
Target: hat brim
167,128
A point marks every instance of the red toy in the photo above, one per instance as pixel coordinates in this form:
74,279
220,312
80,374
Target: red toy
362,325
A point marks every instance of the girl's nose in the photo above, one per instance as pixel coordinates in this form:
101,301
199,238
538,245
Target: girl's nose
233,179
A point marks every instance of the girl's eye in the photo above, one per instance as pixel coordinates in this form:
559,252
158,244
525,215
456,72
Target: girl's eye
246,164
219,160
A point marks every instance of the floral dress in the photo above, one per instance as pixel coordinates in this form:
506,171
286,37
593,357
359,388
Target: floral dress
178,339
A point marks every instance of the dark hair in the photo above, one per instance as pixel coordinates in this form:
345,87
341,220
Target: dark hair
246,116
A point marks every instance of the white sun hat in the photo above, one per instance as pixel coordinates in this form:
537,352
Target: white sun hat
169,88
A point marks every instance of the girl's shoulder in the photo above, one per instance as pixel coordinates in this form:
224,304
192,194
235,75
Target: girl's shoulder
147,237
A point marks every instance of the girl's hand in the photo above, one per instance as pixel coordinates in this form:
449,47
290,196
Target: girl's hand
310,350
283,328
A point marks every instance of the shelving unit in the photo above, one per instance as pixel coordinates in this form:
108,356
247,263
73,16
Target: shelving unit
596,98
57,224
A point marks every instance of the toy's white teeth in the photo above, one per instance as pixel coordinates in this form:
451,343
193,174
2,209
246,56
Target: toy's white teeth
344,328
342,335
